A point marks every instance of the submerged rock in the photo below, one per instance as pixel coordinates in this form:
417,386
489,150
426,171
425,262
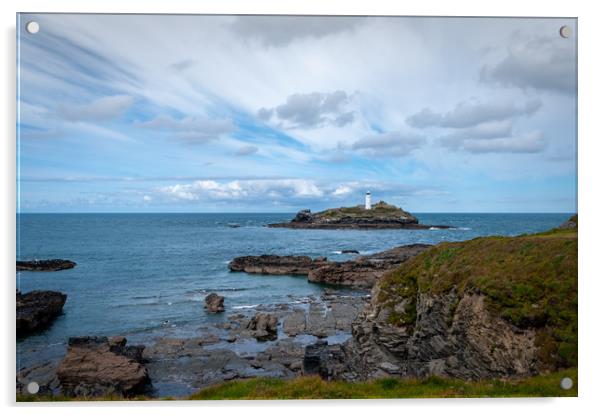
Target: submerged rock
45,265
95,366
214,303
37,309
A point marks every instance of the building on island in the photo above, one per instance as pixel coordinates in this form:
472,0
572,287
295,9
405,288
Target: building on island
368,200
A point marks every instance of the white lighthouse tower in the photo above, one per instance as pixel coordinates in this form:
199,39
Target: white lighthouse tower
368,200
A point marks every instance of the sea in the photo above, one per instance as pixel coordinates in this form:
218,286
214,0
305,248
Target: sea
146,275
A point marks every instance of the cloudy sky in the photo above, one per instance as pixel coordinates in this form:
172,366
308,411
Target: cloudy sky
227,113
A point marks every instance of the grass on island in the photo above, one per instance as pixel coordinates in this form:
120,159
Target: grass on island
379,209
529,280
313,387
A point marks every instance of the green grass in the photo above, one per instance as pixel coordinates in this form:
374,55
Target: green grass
380,209
313,387
529,280
389,388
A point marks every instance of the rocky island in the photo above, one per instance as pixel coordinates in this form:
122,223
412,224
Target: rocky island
45,265
380,216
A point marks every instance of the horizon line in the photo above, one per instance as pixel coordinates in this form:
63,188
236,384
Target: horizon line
274,212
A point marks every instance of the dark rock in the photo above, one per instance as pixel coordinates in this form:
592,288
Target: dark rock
45,265
214,303
350,251
451,336
264,326
276,265
364,271
312,357
37,309
95,367
303,216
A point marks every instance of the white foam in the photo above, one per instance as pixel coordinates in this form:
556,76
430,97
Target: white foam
240,307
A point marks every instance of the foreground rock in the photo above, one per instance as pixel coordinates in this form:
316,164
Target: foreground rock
248,343
96,366
45,265
275,264
37,309
264,326
362,272
214,303
381,216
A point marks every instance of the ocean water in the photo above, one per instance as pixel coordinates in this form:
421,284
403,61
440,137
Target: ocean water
146,275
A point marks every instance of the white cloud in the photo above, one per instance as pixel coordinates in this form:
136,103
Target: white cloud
544,63
190,129
468,114
101,109
285,29
342,190
311,110
533,142
391,144
244,189
246,150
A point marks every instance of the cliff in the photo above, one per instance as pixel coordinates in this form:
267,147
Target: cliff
493,307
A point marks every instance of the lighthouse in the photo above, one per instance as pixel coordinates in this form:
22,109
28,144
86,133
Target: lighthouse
368,200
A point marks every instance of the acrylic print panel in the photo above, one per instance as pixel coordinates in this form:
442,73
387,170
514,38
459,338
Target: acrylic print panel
412,179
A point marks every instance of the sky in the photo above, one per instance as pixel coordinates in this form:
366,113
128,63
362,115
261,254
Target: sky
182,113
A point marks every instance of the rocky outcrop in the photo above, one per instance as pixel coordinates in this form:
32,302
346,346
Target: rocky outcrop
214,303
264,326
45,265
451,336
362,272
275,264
97,366
381,216
37,309
569,224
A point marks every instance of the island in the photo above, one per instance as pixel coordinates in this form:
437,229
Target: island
45,265
379,216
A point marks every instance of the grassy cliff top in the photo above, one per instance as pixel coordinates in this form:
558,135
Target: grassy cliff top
379,210
529,280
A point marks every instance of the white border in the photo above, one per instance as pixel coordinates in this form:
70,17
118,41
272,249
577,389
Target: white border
589,194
